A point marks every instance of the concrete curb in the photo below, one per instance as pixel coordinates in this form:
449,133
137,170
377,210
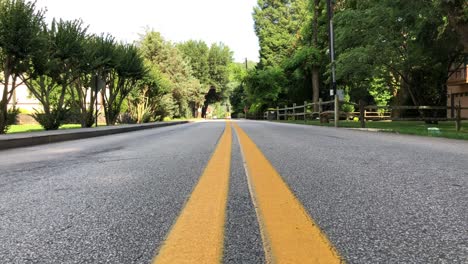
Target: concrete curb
371,129
45,137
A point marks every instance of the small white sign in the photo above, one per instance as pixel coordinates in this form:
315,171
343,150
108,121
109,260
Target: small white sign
340,94
331,92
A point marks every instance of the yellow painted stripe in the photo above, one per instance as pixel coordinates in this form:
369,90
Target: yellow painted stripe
198,234
289,233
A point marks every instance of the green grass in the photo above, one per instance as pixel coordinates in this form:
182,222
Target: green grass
447,128
33,128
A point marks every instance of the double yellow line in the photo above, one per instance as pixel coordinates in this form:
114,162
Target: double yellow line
289,234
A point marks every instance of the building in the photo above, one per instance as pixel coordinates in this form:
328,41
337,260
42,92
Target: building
457,89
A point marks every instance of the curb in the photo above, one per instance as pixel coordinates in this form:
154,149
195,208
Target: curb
371,129
39,138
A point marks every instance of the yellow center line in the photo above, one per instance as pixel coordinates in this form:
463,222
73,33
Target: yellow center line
289,234
198,234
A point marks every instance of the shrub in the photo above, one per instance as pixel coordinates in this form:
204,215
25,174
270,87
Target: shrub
12,116
53,120
126,118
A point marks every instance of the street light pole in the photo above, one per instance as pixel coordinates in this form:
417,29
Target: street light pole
96,98
332,60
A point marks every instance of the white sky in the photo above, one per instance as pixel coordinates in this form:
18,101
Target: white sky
227,21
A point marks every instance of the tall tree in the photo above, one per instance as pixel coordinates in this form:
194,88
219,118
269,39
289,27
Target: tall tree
309,57
219,58
20,39
412,43
457,13
197,54
186,90
96,62
54,70
277,24
128,69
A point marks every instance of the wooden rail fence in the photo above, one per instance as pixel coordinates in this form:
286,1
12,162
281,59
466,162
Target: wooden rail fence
323,110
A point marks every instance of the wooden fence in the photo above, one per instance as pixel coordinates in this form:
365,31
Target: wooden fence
324,112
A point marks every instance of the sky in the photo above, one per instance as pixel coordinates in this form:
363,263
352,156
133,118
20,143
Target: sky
227,21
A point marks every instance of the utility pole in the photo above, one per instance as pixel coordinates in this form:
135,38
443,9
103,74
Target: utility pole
246,69
96,98
332,60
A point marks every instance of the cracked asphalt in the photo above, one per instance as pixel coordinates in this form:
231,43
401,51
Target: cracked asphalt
380,198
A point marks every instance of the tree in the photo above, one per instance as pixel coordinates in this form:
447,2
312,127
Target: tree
197,54
457,15
128,69
411,44
237,74
277,24
96,62
54,70
20,40
263,87
186,90
313,54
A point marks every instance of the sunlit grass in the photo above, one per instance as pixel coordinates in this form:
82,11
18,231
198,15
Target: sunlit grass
447,128
33,128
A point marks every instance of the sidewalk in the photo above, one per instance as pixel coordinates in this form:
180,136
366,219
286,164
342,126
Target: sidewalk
45,137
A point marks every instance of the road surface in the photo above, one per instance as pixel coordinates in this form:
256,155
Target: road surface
236,192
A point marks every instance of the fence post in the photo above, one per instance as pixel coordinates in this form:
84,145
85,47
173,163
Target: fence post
362,115
320,106
337,110
458,122
294,111
452,104
305,111
277,113
286,116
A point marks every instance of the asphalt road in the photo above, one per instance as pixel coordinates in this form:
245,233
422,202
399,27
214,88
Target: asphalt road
379,198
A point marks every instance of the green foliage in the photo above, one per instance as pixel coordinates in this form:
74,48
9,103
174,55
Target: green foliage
55,69
192,73
380,91
176,74
277,24
128,69
12,115
20,24
219,59
347,98
165,107
197,54
52,120
411,42
219,110
387,51
263,87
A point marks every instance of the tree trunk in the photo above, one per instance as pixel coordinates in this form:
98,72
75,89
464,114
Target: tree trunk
4,102
315,88
315,69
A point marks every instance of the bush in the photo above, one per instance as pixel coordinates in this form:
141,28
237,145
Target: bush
12,116
126,118
53,120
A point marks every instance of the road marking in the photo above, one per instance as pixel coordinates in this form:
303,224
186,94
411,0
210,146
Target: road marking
198,234
289,234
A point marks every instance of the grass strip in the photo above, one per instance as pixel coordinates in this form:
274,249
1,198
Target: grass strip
420,128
